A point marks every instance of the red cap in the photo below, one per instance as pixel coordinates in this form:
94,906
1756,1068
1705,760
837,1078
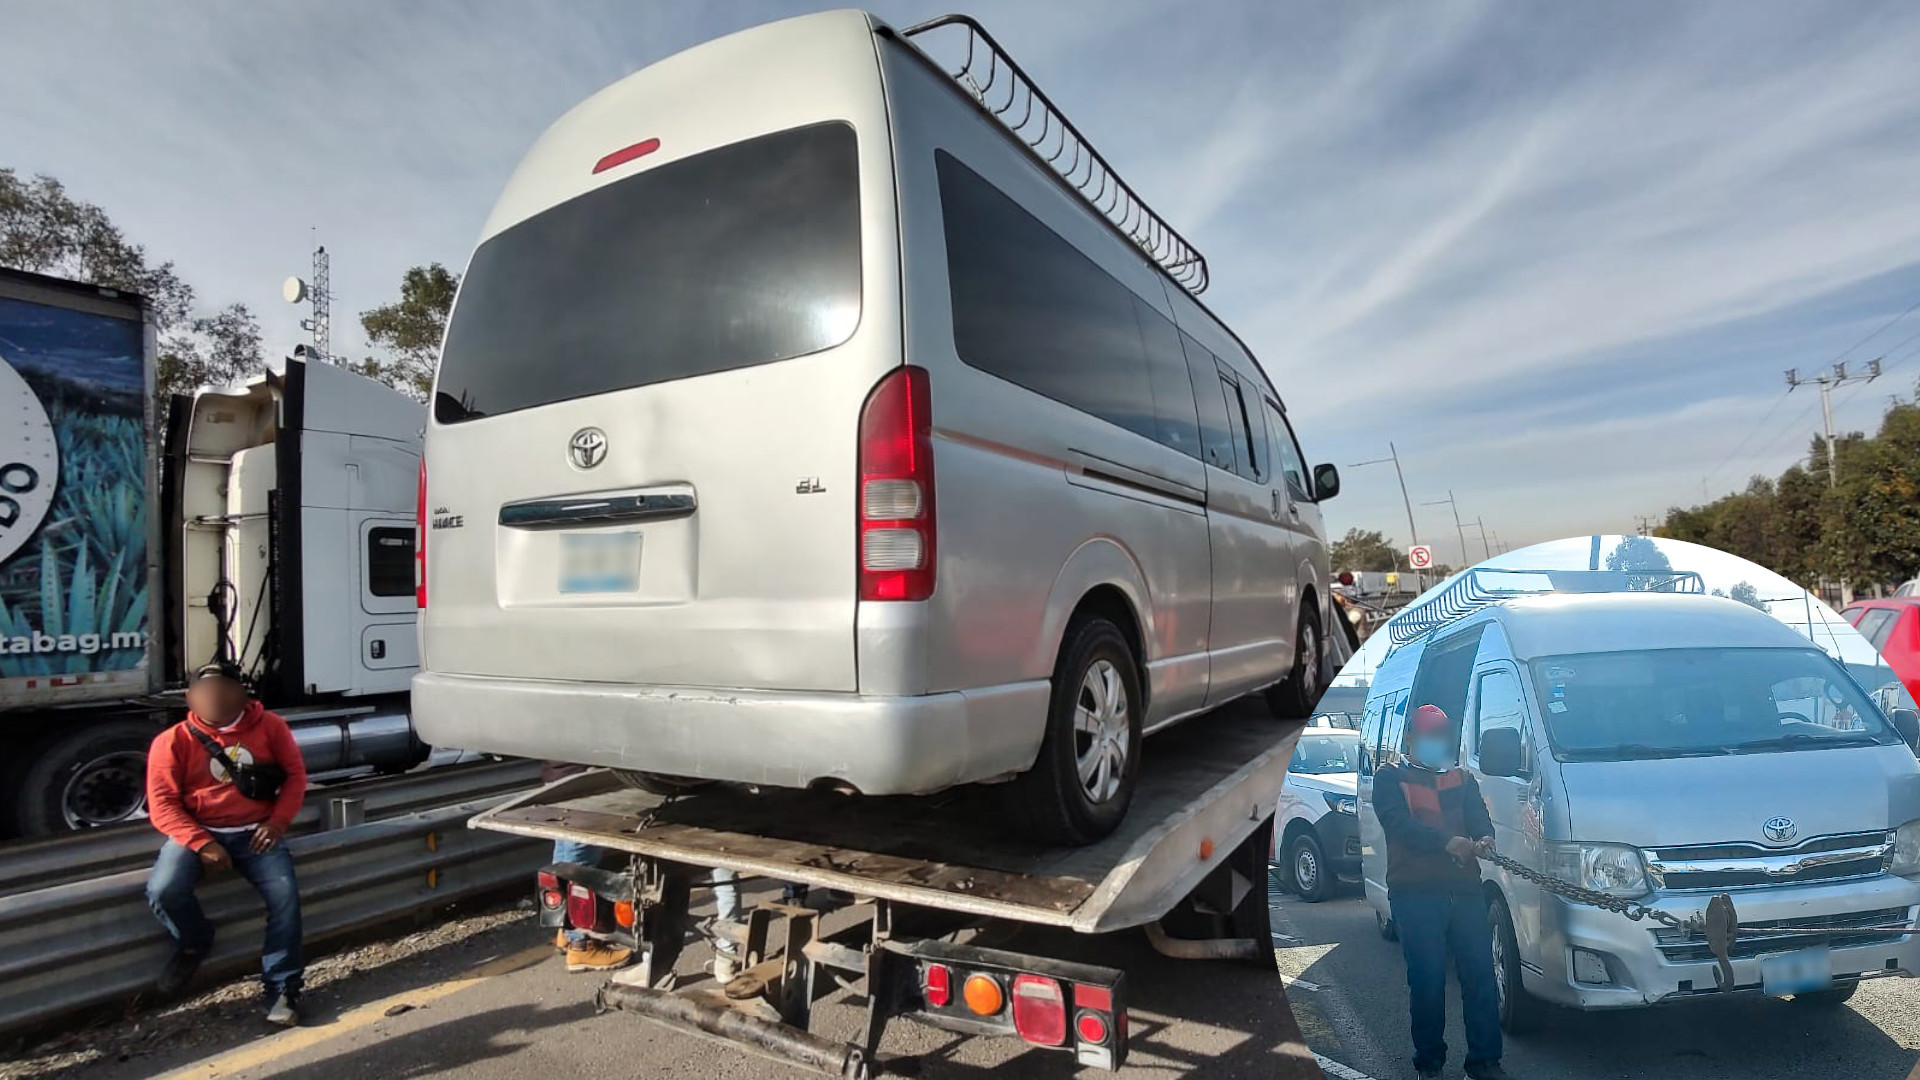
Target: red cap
1428,718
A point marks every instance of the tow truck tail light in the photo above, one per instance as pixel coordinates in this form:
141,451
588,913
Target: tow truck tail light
583,908
938,982
1039,1010
550,895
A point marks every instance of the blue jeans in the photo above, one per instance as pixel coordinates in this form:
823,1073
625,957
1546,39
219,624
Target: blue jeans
572,851
170,895
1433,926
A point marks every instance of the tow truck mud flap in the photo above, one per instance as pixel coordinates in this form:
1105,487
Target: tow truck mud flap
768,1038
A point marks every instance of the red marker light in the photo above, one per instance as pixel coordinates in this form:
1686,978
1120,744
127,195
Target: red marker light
621,157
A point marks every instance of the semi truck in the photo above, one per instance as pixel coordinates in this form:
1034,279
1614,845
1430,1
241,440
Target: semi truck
268,524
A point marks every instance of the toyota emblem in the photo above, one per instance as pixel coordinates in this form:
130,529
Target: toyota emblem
1779,830
587,448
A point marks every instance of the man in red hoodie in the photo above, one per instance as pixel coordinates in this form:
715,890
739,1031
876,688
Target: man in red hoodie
211,826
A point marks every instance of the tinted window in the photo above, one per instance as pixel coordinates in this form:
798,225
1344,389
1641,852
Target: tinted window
1292,465
1317,753
1031,309
1876,625
1172,388
738,256
1499,705
1216,430
390,561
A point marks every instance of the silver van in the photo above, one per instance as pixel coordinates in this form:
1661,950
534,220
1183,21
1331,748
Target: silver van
799,423
1661,746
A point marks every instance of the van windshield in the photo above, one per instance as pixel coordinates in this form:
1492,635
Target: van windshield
738,256
1685,702
1323,752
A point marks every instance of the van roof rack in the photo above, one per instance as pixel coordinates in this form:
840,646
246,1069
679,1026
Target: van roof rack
1002,90
1483,587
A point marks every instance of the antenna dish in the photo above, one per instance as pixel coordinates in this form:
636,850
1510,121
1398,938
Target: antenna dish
294,290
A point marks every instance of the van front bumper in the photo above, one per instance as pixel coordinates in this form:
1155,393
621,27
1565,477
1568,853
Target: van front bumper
877,745
1648,964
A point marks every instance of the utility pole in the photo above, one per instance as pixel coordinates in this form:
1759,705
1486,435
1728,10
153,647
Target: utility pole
1646,524
1466,560
1827,381
1413,533
1486,549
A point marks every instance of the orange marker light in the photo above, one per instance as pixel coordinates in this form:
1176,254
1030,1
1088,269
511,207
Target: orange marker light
1206,849
623,913
983,995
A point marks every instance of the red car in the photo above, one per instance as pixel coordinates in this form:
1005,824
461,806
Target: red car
1893,627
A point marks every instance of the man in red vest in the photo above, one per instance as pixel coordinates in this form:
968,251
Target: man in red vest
223,785
1437,827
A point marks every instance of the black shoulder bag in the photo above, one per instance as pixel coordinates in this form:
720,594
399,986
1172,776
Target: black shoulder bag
254,780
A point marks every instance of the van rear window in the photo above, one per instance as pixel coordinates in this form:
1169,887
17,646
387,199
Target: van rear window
738,256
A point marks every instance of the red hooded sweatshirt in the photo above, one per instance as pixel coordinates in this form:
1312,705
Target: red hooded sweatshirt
186,797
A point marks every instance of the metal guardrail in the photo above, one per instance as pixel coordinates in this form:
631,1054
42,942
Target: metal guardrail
93,942
39,864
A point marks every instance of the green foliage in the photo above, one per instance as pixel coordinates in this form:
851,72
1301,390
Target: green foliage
409,330
1364,551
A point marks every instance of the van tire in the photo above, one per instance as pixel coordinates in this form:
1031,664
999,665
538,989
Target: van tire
660,784
1048,802
1303,853
1519,1010
1295,698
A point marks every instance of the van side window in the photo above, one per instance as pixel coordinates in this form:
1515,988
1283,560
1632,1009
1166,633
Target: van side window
1370,733
1393,730
1292,465
1249,439
1216,429
1499,704
1033,309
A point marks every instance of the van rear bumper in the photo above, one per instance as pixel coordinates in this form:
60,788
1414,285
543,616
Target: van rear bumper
879,745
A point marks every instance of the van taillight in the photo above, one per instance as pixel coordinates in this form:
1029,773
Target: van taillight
896,515
420,541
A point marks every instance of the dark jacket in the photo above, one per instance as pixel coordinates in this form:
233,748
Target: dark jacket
1419,812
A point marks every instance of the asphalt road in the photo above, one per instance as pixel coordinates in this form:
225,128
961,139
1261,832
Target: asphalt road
1348,988
499,1004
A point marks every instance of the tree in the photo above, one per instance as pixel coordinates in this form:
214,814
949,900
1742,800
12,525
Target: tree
1640,553
409,330
47,231
1363,551
1748,595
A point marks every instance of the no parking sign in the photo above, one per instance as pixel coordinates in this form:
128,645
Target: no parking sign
1420,556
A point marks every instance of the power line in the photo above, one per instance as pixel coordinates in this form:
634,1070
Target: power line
1915,306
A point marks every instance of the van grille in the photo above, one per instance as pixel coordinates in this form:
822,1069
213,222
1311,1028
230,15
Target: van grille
1690,946
1742,866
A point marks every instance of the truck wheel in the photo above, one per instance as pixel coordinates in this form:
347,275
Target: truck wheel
1295,698
658,784
1080,785
1519,1010
86,779
1307,866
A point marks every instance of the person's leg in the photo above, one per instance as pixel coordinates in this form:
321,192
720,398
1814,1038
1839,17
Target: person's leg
1471,939
1422,922
170,894
282,958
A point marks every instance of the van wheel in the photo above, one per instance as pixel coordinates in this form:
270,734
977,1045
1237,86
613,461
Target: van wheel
1307,865
1519,1010
1295,698
658,784
1080,785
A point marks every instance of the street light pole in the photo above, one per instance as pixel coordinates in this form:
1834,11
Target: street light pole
1465,559
1485,548
1413,532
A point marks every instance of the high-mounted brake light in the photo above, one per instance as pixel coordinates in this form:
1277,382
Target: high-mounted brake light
896,506
1039,1010
625,154
420,542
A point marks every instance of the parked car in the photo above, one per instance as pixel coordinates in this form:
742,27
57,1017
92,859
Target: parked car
798,425
1892,626
1661,747
1316,842
1333,721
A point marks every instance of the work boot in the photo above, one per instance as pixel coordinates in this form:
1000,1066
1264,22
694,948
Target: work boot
178,972
283,1013
591,955
560,939
1486,1070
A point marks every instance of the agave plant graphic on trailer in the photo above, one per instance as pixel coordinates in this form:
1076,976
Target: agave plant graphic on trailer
89,582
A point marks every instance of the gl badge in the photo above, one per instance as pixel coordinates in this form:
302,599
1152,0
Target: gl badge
1779,830
587,448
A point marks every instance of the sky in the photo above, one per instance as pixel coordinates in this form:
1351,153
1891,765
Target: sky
1718,570
1558,255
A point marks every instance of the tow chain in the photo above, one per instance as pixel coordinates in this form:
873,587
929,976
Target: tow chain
1719,924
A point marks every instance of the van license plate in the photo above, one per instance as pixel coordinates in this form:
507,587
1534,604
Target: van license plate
1804,972
600,563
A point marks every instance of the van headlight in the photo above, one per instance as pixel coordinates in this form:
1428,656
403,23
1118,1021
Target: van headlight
1906,849
1614,869
1342,804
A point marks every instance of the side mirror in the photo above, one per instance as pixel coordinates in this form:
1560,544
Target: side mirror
1500,751
1326,482
1907,723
